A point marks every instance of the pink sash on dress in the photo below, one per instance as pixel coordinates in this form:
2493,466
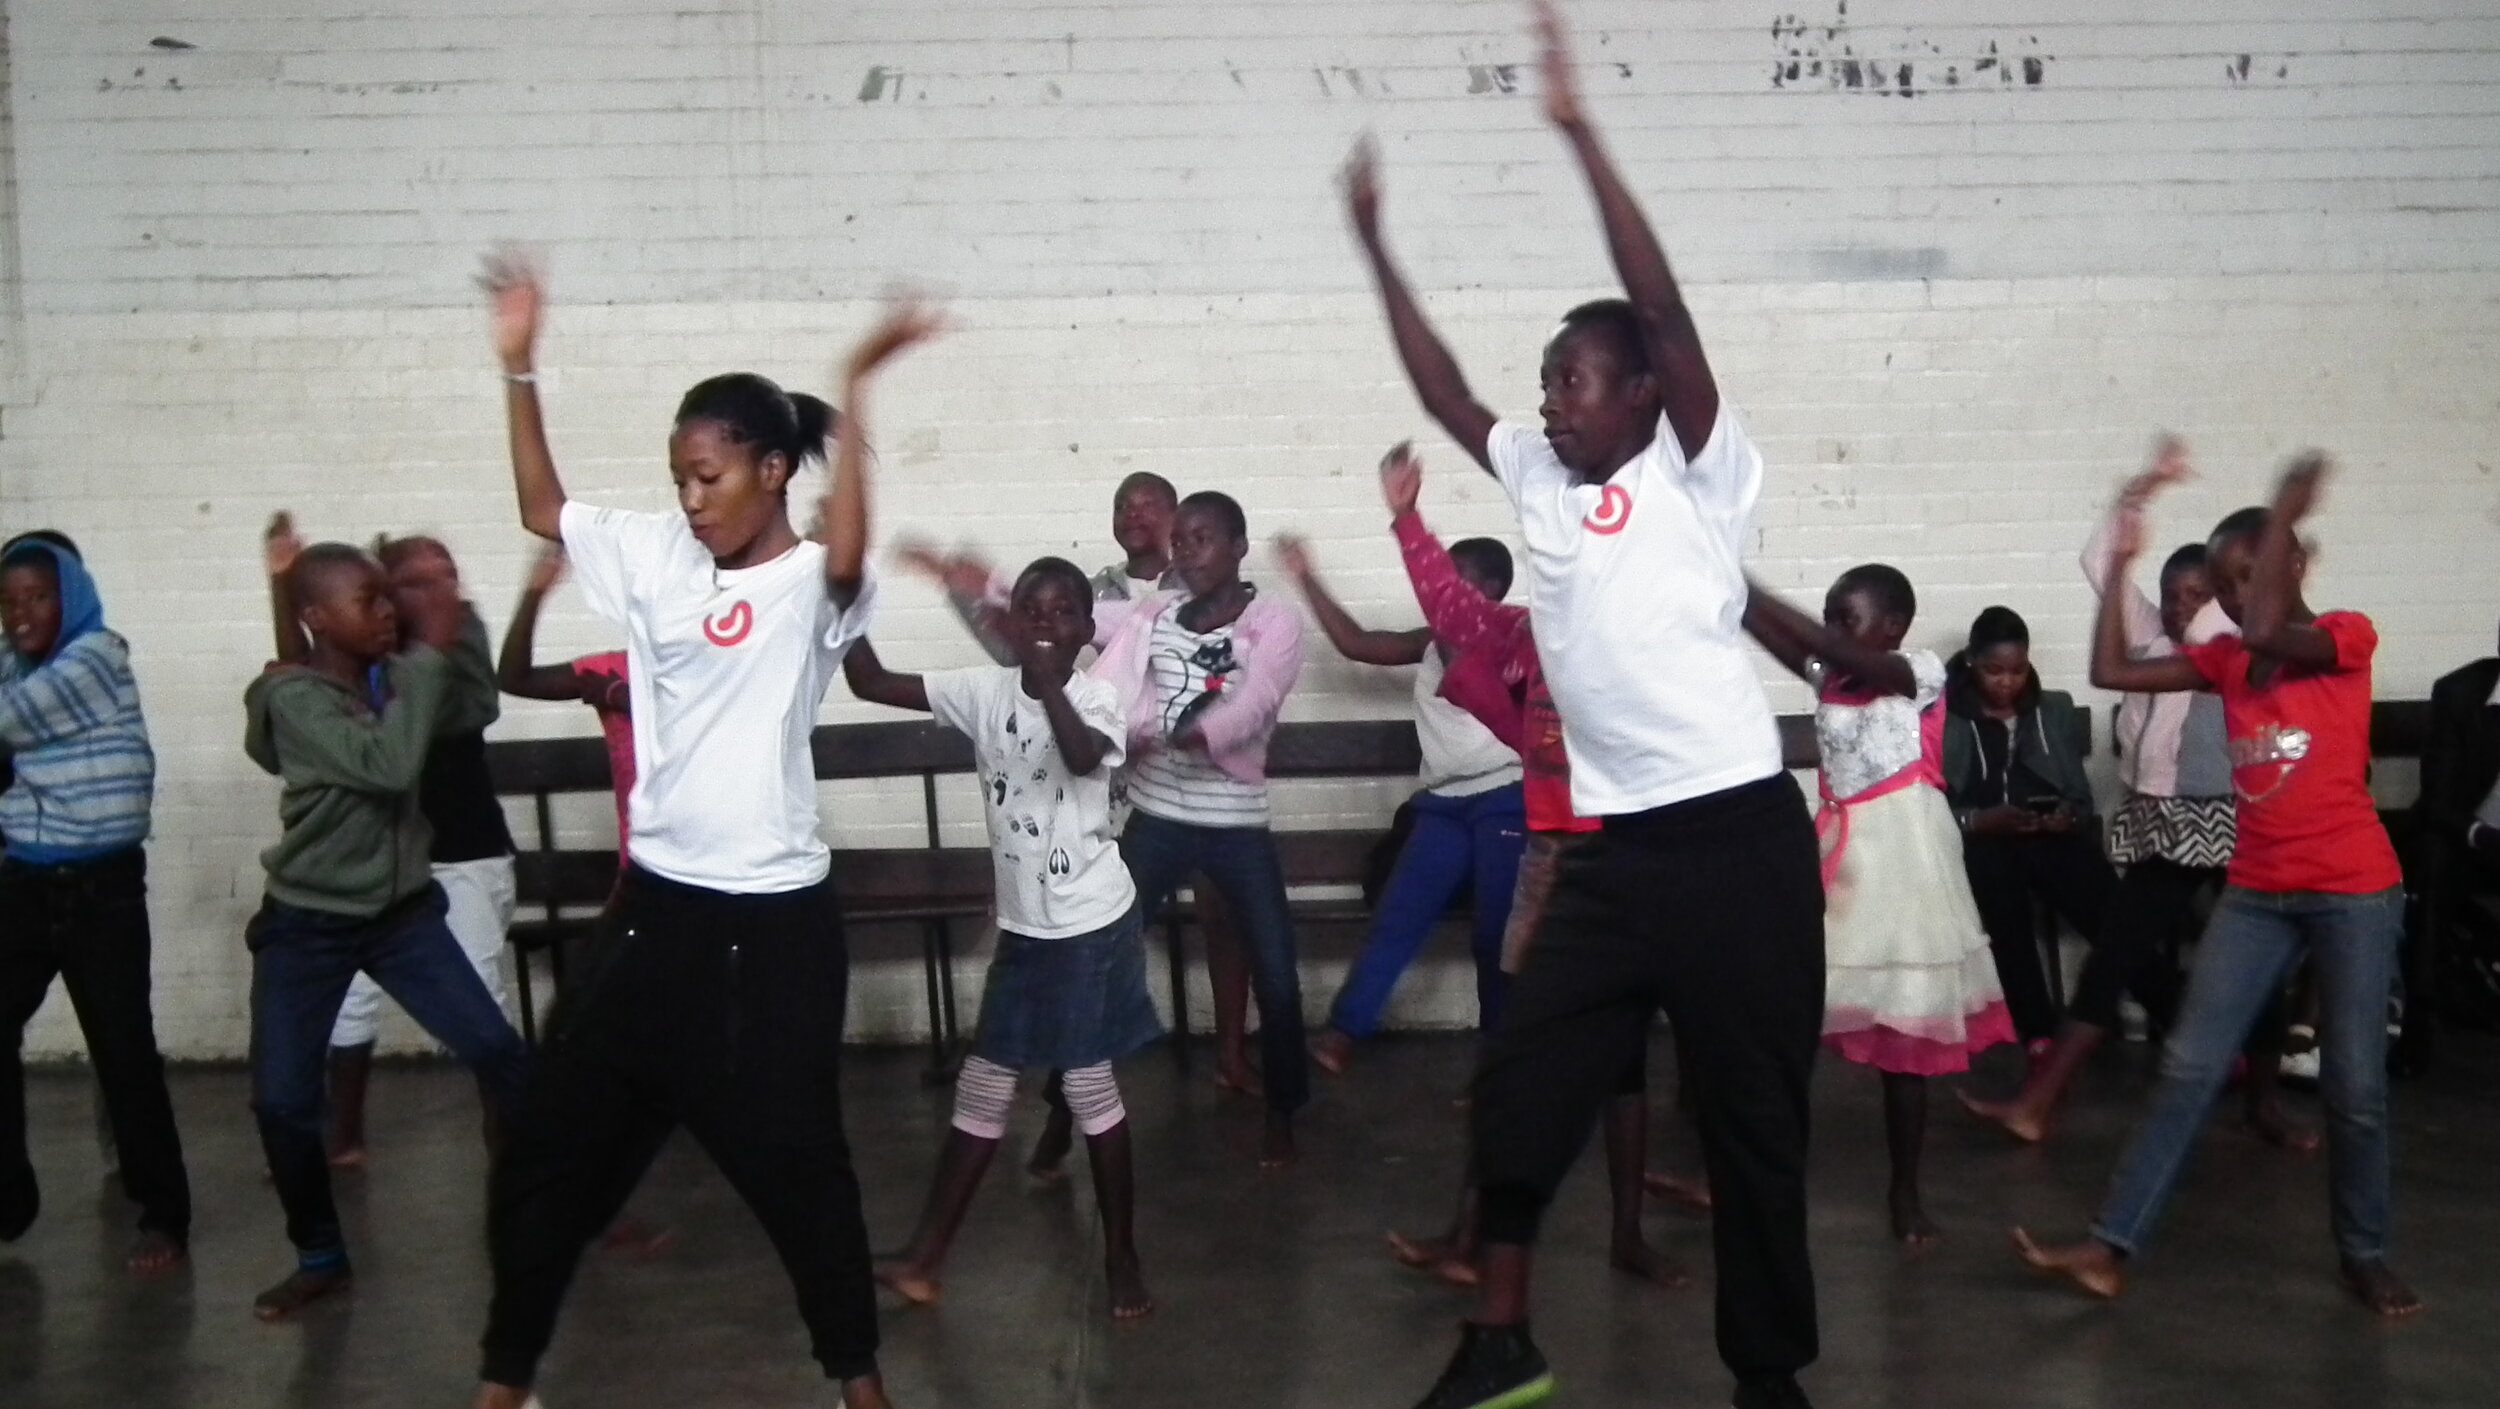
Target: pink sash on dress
1831,820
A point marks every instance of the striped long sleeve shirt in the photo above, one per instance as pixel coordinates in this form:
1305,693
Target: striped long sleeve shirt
86,775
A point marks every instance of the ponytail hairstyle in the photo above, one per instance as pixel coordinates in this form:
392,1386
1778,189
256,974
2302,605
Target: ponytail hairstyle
751,410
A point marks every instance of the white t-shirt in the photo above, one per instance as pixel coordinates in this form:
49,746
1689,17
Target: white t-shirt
1185,670
1461,756
1058,871
726,671
1637,598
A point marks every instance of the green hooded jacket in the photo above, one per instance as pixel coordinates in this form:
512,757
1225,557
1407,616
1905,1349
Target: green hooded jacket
355,842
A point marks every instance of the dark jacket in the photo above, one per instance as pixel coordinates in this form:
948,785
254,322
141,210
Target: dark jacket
2461,759
2046,738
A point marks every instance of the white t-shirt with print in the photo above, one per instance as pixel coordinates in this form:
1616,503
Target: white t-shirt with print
726,670
1185,669
1057,867
1461,757
1637,597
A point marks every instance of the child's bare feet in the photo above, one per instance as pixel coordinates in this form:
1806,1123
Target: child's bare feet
157,1252
866,1392
1048,1163
906,1279
1333,1052
2380,1289
1129,1299
1442,1258
1635,1257
1276,1147
1235,1076
2092,1265
303,1287
2269,1122
2012,1117
495,1396
632,1236
1910,1223
1690,1195
349,1157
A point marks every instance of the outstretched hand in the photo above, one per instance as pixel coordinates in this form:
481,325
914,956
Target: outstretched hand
1562,87
280,545
2169,465
962,574
1401,478
1293,554
515,279
1360,180
908,321
2296,495
547,569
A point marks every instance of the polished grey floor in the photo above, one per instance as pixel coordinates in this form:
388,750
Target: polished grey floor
1273,1288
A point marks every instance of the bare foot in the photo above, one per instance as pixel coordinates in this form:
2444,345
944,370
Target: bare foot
1129,1300
2091,1264
157,1253
631,1236
495,1396
1637,1258
1690,1195
1049,1161
2268,1122
1235,1076
2012,1117
2380,1289
907,1280
1442,1258
1276,1147
302,1288
1333,1052
1915,1231
866,1392
349,1157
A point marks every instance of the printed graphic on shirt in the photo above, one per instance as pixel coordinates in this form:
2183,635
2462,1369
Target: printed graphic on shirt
1186,673
731,626
1613,511
2262,762
1201,675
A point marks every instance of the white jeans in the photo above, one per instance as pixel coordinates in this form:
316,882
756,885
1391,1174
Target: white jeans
482,896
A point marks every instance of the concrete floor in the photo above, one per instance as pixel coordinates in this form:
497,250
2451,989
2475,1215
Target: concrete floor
1274,1290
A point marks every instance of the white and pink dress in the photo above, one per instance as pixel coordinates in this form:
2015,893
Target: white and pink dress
1910,984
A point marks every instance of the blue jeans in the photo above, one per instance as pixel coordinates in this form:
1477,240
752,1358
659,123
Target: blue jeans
1242,863
1453,838
2249,945
302,962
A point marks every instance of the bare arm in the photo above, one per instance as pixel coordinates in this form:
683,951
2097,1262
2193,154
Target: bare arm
1430,368
845,530
519,293
1351,638
1690,394
2273,593
1796,639
871,681
515,670
1080,747
279,548
2112,667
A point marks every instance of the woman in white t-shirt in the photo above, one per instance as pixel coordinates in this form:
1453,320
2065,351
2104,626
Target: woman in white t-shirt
717,998
1067,986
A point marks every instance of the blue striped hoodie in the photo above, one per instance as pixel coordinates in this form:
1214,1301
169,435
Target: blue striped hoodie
86,775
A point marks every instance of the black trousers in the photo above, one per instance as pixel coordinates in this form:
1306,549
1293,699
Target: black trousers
2136,949
1712,910
86,922
721,1013
2006,873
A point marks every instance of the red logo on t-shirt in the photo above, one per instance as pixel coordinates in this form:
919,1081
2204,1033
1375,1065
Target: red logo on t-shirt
730,627
1613,511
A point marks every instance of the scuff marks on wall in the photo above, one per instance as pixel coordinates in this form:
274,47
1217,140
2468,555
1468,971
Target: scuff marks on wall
1833,56
2238,69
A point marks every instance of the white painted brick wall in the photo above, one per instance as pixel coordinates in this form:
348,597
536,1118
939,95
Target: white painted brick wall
1952,318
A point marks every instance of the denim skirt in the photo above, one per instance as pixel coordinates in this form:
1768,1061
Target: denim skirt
1067,1003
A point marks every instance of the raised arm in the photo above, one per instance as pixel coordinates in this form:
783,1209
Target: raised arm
516,670
519,291
1351,638
1685,385
965,578
2113,664
871,681
844,528
1430,368
280,545
2273,622
1797,640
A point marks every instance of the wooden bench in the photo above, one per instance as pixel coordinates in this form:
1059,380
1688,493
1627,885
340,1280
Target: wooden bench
935,886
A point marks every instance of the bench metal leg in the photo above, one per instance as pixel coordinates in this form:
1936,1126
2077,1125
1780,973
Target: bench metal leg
1178,955
529,1004
937,969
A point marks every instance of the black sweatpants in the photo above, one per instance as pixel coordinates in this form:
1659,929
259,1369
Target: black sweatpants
86,923
1713,910
2151,909
722,1013
2006,873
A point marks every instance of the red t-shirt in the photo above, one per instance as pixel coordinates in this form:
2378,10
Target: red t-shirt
2300,761
618,728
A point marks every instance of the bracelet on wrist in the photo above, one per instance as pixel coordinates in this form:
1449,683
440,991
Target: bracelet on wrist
521,378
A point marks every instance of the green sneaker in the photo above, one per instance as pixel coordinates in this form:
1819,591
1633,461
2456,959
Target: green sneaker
1496,1367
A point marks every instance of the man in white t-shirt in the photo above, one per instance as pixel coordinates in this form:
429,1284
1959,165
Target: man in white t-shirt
1701,895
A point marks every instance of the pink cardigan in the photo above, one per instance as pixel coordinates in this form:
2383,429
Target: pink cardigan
1268,641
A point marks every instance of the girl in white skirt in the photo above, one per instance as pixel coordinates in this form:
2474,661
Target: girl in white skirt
1910,988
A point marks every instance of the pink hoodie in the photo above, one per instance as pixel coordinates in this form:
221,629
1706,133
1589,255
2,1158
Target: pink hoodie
1268,641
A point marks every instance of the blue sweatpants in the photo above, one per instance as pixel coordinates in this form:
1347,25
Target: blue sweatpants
1454,839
